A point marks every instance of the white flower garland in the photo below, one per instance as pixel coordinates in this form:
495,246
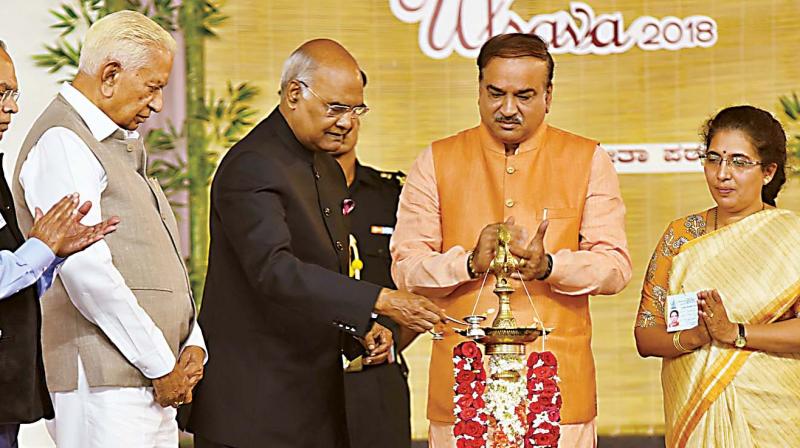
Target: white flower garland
503,396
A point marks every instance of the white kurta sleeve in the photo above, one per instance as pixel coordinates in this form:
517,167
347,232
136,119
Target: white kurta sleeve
61,164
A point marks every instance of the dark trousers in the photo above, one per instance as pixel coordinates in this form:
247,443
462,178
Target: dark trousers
8,435
201,442
377,405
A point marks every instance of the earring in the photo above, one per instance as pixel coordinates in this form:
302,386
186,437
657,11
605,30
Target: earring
766,181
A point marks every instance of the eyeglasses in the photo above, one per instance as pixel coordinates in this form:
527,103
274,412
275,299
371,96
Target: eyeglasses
13,94
337,110
736,162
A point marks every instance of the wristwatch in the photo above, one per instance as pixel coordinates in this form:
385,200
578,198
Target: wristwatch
740,341
549,269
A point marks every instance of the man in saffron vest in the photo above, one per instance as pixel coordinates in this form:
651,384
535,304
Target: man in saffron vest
514,168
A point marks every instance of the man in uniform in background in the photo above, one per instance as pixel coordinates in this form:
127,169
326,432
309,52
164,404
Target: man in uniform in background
376,396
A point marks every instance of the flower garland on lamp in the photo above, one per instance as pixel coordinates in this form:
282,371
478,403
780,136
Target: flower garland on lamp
544,401
506,401
506,412
519,404
469,406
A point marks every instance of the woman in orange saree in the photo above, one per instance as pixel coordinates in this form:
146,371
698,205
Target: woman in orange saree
734,380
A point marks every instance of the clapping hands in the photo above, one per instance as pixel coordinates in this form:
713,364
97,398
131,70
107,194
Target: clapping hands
61,229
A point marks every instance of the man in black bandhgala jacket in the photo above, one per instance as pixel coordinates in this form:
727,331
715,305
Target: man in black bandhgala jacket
278,308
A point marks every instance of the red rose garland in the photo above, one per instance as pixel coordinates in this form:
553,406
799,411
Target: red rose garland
544,397
470,426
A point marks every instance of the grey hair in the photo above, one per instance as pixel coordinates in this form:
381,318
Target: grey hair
127,37
299,66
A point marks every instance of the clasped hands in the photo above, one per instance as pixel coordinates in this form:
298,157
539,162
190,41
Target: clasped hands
713,324
531,253
715,317
175,388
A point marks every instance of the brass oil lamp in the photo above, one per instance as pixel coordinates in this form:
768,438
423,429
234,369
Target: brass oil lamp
504,337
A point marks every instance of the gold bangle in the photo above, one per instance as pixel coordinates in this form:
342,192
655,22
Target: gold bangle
676,341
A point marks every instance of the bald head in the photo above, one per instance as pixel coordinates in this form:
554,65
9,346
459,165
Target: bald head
330,53
318,54
320,80
8,87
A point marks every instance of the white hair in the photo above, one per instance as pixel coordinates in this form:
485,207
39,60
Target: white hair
127,37
299,66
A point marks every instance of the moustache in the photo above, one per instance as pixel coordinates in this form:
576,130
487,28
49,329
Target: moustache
515,119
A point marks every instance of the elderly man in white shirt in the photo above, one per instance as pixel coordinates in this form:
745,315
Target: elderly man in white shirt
122,348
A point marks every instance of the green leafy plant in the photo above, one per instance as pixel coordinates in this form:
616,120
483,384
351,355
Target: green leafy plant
81,14
88,11
213,124
227,118
230,115
212,18
167,165
163,12
791,110
58,56
63,55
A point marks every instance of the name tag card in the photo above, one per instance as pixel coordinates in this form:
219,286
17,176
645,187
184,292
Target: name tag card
681,311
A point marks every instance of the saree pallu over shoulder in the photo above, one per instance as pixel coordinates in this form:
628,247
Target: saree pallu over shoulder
719,396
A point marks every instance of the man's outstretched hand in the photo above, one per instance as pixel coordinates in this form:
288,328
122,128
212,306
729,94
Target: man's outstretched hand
61,229
409,310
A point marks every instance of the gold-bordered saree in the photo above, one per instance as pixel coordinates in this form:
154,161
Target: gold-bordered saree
720,396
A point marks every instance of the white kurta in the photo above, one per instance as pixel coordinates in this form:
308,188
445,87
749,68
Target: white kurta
61,163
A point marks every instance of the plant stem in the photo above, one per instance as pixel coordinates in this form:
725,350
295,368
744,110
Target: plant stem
198,168
116,5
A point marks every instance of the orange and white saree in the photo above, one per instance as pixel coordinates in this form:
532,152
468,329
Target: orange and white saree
720,396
